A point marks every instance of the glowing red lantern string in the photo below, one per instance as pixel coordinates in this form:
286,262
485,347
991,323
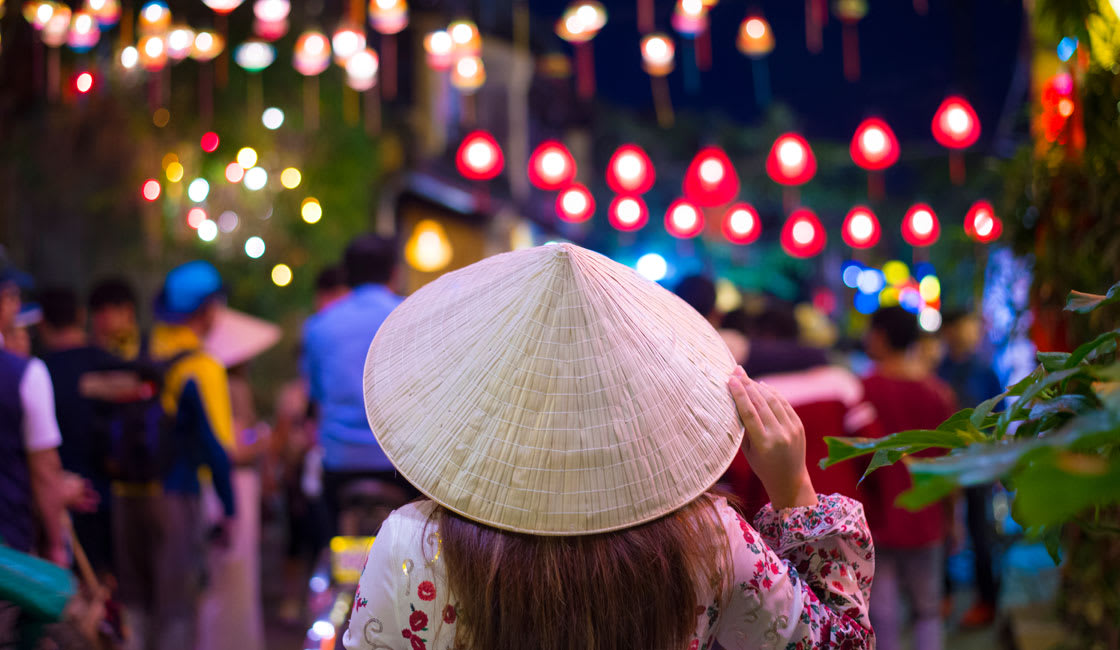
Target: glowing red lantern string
803,235
860,228
711,179
684,219
920,226
741,224
630,170
956,127
551,166
982,224
628,213
479,157
575,204
791,161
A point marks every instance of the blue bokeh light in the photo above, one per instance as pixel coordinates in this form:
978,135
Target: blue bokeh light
850,273
870,281
866,303
1066,47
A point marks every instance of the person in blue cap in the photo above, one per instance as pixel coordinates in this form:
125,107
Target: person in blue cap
159,536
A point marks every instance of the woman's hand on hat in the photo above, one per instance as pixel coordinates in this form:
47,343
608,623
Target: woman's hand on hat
774,443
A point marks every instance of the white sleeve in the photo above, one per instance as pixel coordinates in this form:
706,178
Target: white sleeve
40,425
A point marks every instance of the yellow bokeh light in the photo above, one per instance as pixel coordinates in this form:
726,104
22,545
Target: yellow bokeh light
175,172
168,159
888,297
161,117
290,178
930,288
728,297
896,273
310,210
247,157
428,249
281,275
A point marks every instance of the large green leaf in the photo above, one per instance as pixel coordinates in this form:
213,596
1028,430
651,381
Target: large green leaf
1058,485
1052,361
1061,404
1083,350
980,414
925,491
1084,303
907,442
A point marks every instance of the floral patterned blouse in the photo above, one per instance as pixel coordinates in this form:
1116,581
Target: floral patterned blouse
802,580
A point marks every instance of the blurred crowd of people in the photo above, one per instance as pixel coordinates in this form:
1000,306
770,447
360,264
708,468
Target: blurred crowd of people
147,440
909,379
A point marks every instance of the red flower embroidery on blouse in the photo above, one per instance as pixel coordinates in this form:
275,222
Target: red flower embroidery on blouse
449,615
694,645
418,643
426,590
406,633
418,620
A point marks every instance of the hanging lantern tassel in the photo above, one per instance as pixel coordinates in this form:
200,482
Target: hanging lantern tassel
206,92
850,12
662,101
585,70
645,16
956,167
373,110
389,65
813,26
311,102
221,76
876,188
851,52
54,73
704,48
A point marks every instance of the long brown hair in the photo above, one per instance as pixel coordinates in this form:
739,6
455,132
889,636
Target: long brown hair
635,588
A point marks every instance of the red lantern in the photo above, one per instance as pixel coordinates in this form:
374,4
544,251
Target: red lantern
684,219
630,170
982,224
874,145
920,226
575,204
741,224
861,228
803,235
791,161
628,213
479,157
711,179
551,166
955,124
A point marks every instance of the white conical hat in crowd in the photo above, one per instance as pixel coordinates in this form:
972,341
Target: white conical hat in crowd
552,391
237,337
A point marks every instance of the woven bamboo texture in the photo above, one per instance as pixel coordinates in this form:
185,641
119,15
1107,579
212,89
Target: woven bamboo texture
552,391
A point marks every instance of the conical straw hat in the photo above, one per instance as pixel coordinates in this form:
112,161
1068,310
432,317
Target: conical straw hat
552,391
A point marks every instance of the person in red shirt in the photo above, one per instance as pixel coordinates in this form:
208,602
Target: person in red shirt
909,545
828,398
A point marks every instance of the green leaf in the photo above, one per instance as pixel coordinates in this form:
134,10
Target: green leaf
980,413
1058,485
1019,409
1083,350
1061,404
907,442
1084,303
1052,361
882,458
926,491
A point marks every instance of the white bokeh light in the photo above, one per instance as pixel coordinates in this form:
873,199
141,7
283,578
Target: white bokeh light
207,230
272,118
255,178
254,247
198,190
652,266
